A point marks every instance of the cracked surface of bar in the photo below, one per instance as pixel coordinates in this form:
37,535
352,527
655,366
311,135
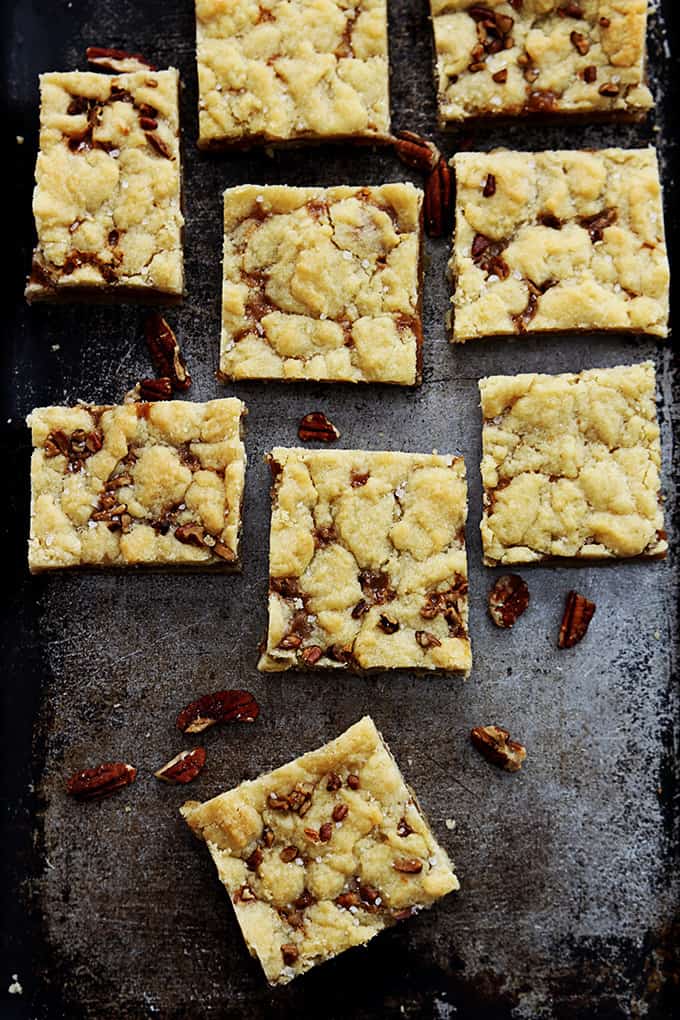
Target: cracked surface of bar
323,853
107,201
559,241
322,284
545,57
291,70
368,567
570,466
152,485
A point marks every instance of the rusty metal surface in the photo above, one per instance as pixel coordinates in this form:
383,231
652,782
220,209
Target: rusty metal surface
569,869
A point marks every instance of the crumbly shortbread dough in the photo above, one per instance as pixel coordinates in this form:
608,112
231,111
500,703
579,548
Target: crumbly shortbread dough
107,197
287,70
549,57
557,241
115,486
367,562
570,466
323,853
322,283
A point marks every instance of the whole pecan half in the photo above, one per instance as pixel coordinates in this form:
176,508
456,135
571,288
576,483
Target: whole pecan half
437,204
416,151
220,707
119,61
508,599
495,744
184,767
316,427
578,613
163,347
101,780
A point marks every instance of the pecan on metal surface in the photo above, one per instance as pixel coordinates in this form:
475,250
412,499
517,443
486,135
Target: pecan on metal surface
578,613
220,707
315,427
183,768
100,781
495,744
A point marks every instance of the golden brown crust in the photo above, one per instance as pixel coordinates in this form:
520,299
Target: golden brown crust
570,466
271,71
323,853
107,198
322,284
551,241
152,485
540,57
367,562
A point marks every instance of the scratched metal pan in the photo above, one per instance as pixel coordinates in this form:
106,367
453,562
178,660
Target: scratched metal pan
569,869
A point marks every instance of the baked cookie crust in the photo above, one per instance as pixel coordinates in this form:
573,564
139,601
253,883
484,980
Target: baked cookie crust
137,485
570,466
322,854
526,58
284,71
322,284
368,567
559,241
107,199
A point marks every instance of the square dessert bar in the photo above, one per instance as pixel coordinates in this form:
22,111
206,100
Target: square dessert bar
107,202
323,853
570,466
322,283
367,562
559,241
291,70
540,57
152,485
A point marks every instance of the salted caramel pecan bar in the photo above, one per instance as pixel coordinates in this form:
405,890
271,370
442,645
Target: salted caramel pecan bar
107,196
145,484
322,283
367,558
323,853
540,57
571,465
284,71
559,241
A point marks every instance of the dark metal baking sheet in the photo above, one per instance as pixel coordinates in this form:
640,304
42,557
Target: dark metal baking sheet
569,869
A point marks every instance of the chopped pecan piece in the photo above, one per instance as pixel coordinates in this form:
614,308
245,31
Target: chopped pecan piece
290,954
288,854
508,599
437,204
387,624
427,640
220,707
101,780
495,744
119,61
157,143
570,10
489,189
333,782
340,811
403,828
244,894
409,865
277,803
348,899
316,427
304,900
311,655
610,89
416,151
597,224
369,893
501,76
375,585
358,479
184,767
255,859
578,613
164,349
155,389
580,42
589,74
325,832
267,836
353,781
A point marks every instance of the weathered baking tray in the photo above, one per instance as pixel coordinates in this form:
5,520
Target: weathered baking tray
569,869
